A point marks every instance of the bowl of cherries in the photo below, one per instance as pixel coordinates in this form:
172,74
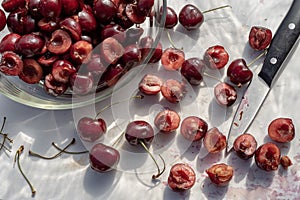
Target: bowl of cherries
61,54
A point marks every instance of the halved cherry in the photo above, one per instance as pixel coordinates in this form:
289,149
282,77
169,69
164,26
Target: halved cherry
54,87
60,42
260,37
32,71
182,177
11,63
172,58
111,50
173,90
245,146
281,130
167,121
150,84
214,140
225,94
216,57
62,70
80,51
267,156
193,128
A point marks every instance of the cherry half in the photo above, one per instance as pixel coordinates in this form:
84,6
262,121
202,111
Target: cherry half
167,121
281,130
193,128
245,146
260,37
214,141
182,177
216,57
267,157
225,94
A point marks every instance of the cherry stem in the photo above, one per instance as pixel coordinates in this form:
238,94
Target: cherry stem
213,9
17,159
54,156
258,57
118,139
68,152
3,143
172,42
3,134
213,77
108,106
152,157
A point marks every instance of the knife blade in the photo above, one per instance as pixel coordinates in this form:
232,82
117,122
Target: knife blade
283,42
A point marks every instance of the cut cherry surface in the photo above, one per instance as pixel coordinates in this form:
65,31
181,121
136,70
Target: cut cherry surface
192,69
32,71
281,130
47,25
80,51
81,84
214,141
182,177
90,129
11,63
150,84
193,128
103,158
216,57
167,121
172,58
54,87
267,156
60,42
190,17
220,174
245,146
225,94
260,37
111,50
238,72
62,69
173,90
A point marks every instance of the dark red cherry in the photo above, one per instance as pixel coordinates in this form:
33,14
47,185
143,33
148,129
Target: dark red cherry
47,25
139,131
192,69
105,11
80,51
50,8
20,22
32,72
11,5
245,146
112,74
182,177
81,84
216,57
8,42
72,26
69,7
113,30
87,20
171,18
145,6
133,13
29,45
238,72
225,94
281,130
90,129
173,90
62,70
193,128
54,87
190,17
111,50
267,156
60,42
34,9
132,55
260,37
11,63
2,20
103,158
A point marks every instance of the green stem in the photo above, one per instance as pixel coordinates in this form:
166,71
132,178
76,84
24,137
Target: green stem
213,9
3,134
213,77
155,162
3,143
108,106
54,156
258,57
118,139
17,159
68,152
172,42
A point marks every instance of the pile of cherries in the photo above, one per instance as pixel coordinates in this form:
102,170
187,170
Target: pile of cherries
72,43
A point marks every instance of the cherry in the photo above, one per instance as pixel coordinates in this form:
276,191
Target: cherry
238,72
103,158
72,26
260,37
94,66
11,5
80,51
112,74
220,174
140,132
87,20
285,162
182,177
34,9
173,90
171,18
214,140
133,13
216,57
192,69
81,84
2,20
69,7
172,58
60,42
145,6
105,11
157,54
146,44
167,121
62,70
190,17
267,156
132,55
122,19
90,129
132,35
111,50
245,145
54,87
18,21
193,128
150,84
30,44
281,130
47,59
50,8
47,25
225,94
11,64
32,71
113,30
8,42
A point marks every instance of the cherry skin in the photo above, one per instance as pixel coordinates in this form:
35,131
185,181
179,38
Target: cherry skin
260,37
8,42
190,17
173,90
216,57
103,158
192,69
139,131
239,73
11,63
214,141
193,128
2,20
62,70
171,18
182,177
90,129
54,87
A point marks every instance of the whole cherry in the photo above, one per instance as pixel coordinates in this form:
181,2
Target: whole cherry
239,73
90,129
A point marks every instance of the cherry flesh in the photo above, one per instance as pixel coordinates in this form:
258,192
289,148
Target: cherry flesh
267,157
54,87
220,174
190,17
182,177
172,58
60,42
214,140
11,63
150,84
62,69
216,57
281,130
111,50
103,158
167,121
245,146
260,37
225,94
193,128
173,90
239,73
192,69
90,129
80,51
32,71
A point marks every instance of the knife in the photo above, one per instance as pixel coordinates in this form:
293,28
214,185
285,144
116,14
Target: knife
258,89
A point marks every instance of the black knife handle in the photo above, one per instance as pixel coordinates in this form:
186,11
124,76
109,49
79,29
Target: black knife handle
283,41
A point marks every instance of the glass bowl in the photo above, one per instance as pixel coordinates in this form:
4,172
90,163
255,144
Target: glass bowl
35,95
